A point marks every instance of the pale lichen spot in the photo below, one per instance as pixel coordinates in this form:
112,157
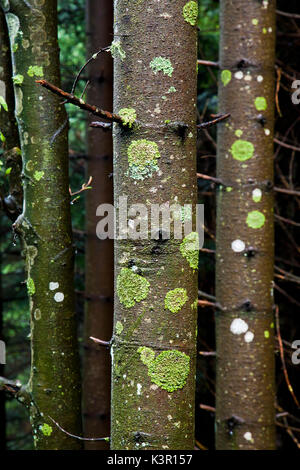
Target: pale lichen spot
256,194
37,314
239,75
254,21
238,246
249,337
138,389
59,297
238,326
267,132
259,78
248,436
162,64
53,285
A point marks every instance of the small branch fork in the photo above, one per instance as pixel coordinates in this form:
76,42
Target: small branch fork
70,98
84,187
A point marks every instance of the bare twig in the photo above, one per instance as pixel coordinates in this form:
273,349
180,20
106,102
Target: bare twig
79,437
80,103
208,63
220,118
100,341
289,15
84,187
94,56
291,390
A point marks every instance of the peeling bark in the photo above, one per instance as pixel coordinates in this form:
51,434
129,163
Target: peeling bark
45,225
153,349
244,257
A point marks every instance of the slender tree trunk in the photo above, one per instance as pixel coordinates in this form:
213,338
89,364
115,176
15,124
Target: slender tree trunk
99,253
153,349
45,225
245,326
11,195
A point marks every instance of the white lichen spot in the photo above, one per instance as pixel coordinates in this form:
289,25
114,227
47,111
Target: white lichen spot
59,297
249,337
169,417
259,78
256,194
138,389
239,75
238,246
248,78
154,387
270,30
265,4
267,131
53,285
248,436
238,326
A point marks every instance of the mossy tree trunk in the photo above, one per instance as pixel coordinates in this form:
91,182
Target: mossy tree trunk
99,253
245,327
153,347
11,193
45,224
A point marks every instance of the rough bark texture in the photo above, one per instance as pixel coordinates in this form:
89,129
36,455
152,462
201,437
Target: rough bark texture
99,253
9,137
153,351
245,327
45,225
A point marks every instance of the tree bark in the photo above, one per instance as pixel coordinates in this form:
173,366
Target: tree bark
99,253
12,194
244,270
153,348
45,225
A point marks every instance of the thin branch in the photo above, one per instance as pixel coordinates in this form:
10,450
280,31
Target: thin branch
207,408
80,103
287,221
218,119
210,178
208,63
100,341
288,146
84,187
79,437
94,56
289,15
291,390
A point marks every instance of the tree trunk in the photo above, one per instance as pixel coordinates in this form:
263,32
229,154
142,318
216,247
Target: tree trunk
244,269
11,195
99,253
45,225
153,348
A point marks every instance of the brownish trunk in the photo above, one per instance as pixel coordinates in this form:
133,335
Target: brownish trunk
244,270
99,253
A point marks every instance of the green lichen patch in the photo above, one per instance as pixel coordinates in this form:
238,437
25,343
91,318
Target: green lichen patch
147,355
18,79
119,327
142,158
38,175
170,370
2,138
189,248
117,50
239,132
260,103
161,64
266,334
242,150
225,77
30,286
46,429
190,12
131,287
172,89
37,314
255,219
35,70
175,299
128,116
